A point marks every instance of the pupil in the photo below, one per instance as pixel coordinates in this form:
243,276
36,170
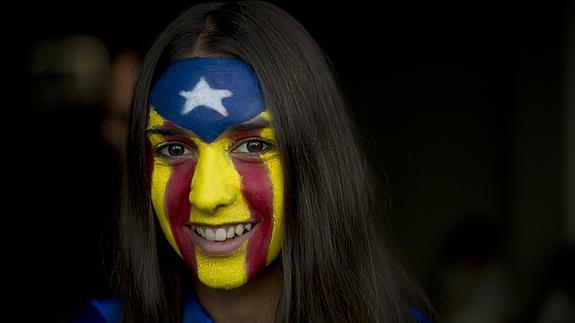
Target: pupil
255,146
176,150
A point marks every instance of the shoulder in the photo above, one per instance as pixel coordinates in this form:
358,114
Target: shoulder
109,310
418,315
194,311
101,310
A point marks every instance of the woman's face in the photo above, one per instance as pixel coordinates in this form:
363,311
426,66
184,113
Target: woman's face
217,184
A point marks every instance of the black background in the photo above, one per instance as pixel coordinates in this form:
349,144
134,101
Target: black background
460,106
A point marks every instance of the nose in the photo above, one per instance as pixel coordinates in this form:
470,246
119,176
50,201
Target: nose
213,183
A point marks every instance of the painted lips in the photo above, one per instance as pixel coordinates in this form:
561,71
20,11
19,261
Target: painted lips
222,240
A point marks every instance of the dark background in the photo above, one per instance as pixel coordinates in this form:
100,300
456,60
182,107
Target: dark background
465,109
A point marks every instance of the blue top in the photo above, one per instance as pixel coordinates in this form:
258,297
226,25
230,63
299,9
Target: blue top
109,310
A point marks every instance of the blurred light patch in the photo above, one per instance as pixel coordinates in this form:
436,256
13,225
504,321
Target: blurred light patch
68,72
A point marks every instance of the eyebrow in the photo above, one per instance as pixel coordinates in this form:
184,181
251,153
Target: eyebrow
171,131
253,124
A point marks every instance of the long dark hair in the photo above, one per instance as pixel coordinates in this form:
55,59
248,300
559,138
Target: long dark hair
335,267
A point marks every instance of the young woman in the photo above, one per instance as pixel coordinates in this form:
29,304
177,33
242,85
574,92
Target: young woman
247,197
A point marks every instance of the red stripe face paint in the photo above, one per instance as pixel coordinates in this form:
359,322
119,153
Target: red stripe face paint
258,192
178,209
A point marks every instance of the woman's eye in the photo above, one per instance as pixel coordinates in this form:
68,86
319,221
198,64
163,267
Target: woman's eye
252,147
175,150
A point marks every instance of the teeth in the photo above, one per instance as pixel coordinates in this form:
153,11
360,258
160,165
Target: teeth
231,233
239,229
210,235
221,233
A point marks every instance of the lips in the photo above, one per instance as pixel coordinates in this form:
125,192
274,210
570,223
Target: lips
222,240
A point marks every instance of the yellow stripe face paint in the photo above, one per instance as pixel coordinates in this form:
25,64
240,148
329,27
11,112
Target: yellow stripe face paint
276,176
160,176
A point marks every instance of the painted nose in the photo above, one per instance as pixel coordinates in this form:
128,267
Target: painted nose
212,184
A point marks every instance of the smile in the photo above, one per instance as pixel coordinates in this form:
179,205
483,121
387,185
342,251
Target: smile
221,233
220,240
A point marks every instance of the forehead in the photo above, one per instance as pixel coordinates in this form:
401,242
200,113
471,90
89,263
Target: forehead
208,94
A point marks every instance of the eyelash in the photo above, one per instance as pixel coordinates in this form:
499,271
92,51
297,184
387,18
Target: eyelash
163,150
267,146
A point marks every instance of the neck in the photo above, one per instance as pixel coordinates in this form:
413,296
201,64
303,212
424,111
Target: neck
256,301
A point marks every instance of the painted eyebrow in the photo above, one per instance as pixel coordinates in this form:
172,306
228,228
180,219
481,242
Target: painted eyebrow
170,131
249,125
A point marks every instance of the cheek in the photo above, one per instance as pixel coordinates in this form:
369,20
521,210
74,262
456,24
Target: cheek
276,175
178,208
178,192
160,177
257,187
170,192
258,193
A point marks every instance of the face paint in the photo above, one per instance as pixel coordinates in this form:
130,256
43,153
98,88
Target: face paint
217,184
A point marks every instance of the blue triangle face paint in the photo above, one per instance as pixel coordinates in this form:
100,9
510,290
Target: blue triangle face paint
208,94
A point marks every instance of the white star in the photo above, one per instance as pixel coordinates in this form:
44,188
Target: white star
203,95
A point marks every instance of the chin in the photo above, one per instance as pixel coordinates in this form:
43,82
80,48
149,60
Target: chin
224,284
